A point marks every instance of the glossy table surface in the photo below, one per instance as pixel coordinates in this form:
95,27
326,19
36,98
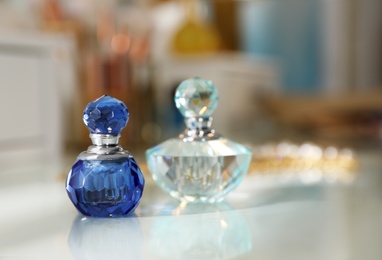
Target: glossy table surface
262,219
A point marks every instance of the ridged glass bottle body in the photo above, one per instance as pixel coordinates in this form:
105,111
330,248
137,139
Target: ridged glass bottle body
199,171
105,187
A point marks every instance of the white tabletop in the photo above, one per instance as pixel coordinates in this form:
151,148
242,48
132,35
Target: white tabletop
259,220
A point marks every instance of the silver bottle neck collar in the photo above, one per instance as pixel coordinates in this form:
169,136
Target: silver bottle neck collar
105,139
198,129
105,146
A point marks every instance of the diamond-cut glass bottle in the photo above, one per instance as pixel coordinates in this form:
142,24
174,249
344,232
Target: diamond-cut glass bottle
105,181
199,165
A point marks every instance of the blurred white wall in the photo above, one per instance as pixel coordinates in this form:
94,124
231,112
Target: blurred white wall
37,84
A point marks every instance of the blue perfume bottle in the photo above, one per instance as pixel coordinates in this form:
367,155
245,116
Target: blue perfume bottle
199,165
105,180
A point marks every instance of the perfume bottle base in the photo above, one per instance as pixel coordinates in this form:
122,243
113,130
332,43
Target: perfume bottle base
195,198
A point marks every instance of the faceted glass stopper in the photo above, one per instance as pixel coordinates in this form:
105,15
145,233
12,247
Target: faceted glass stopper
106,115
196,97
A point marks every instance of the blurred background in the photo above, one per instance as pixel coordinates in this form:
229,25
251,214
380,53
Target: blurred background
293,69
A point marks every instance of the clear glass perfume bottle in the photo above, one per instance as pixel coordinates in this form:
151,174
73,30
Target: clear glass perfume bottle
199,165
105,181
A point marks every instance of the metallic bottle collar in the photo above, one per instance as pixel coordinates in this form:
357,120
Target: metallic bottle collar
104,139
199,129
105,147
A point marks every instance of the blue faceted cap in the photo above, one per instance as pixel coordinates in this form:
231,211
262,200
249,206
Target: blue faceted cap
106,115
196,97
